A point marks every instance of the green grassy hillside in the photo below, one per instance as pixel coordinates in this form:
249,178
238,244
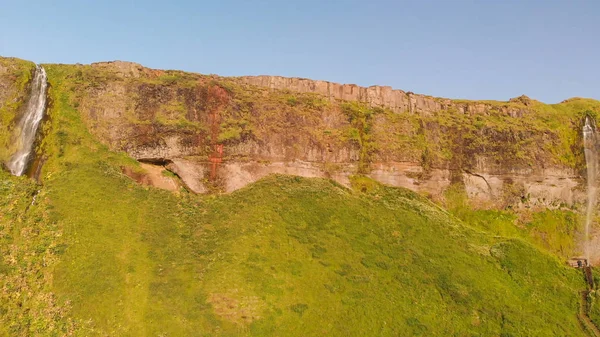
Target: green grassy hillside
98,255
89,252
15,75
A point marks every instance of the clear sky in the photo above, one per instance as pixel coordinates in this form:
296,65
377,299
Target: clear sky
476,49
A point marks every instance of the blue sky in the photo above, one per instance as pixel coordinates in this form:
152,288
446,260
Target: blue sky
476,49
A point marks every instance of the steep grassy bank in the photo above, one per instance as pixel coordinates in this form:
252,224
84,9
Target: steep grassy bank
556,231
30,245
15,76
285,256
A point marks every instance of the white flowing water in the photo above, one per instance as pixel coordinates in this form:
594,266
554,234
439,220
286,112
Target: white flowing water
591,160
26,130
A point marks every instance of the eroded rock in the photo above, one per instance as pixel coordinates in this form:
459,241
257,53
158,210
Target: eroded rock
191,173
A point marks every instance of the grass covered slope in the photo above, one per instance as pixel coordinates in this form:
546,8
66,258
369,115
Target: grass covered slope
29,243
285,256
15,76
325,260
556,231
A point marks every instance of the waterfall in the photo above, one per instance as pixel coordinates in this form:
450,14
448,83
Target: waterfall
25,132
591,160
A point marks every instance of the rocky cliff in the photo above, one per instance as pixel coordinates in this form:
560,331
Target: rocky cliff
219,134
398,101
488,172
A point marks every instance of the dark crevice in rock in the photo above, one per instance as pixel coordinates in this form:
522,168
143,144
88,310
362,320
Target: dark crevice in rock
156,161
479,176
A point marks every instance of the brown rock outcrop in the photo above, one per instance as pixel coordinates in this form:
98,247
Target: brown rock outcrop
378,96
220,133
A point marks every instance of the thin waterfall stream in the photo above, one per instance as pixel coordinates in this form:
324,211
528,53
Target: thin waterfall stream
26,130
591,160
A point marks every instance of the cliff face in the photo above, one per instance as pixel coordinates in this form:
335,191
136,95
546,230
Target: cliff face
398,101
519,158
222,133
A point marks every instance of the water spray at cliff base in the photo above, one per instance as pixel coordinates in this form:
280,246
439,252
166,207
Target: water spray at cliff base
591,160
26,129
